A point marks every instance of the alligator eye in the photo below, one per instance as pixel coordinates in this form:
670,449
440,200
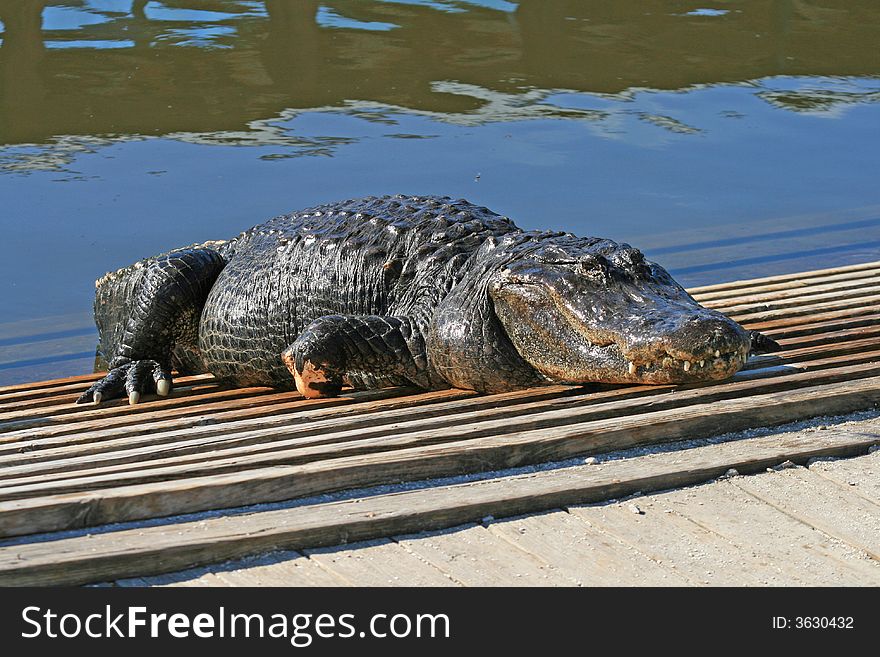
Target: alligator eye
632,260
593,265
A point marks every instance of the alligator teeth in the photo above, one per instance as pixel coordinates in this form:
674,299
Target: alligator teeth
702,362
717,353
687,365
632,368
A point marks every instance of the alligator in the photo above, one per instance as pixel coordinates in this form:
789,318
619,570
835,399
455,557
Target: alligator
420,291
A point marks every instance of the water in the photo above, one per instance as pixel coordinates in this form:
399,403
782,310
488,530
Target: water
727,140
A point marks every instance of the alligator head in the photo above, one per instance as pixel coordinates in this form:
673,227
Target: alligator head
578,310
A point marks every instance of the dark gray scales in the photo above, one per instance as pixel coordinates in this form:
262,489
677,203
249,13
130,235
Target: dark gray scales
380,291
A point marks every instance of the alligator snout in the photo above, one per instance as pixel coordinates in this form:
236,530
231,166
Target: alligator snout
688,346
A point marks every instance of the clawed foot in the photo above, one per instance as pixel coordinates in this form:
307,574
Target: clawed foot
133,379
761,344
312,380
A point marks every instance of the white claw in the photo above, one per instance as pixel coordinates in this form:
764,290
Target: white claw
687,365
702,362
632,368
717,353
97,398
134,397
163,387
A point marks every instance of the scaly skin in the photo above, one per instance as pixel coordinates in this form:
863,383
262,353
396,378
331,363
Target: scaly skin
422,291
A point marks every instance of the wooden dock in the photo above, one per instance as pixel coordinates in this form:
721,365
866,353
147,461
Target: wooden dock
77,470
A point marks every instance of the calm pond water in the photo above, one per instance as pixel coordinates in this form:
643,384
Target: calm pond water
726,139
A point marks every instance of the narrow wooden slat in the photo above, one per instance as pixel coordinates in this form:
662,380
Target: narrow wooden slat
182,398
152,550
810,353
830,337
818,328
262,449
754,297
64,386
789,322
62,404
788,302
300,414
861,303
41,385
784,278
68,393
413,458
793,285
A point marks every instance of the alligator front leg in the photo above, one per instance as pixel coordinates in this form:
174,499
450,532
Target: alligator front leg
334,348
157,305
762,344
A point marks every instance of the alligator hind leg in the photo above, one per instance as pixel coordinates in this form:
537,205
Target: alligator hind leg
143,312
336,348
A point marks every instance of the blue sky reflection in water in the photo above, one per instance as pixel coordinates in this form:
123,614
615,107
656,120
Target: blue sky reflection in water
728,140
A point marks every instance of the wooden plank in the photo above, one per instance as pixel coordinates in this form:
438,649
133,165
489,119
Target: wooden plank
55,388
37,404
586,556
822,504
380,562
368,401
813,328
787,302
808,353
212,414
803,555
830,337
846,278
829,315
41,385
860,304
473,556
152,550
702,556
73,504
784,278
183,396
301,444
861,475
